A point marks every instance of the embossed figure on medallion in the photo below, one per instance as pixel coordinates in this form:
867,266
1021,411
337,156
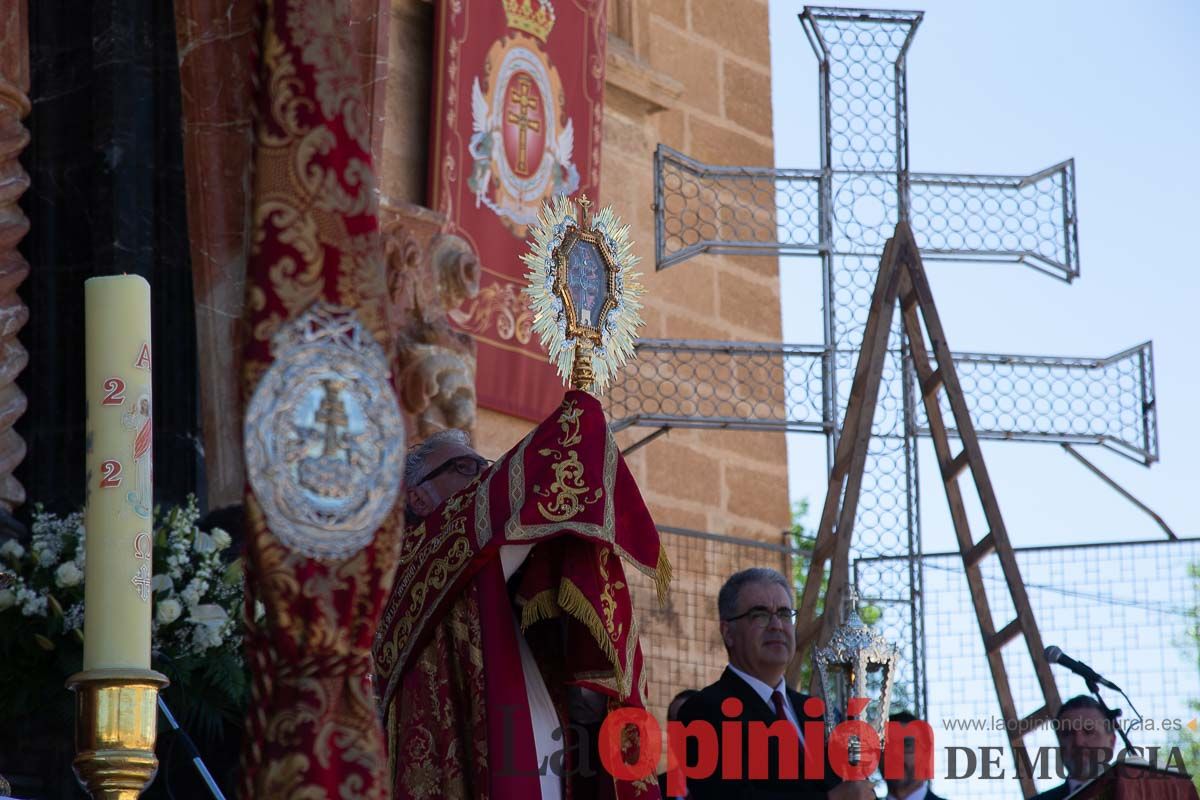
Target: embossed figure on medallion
324,437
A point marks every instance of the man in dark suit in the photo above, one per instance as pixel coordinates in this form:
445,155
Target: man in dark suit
906,786
757,611
1085,743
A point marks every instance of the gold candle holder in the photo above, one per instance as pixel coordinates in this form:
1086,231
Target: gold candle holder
116,715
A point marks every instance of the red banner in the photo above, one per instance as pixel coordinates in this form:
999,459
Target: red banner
517,115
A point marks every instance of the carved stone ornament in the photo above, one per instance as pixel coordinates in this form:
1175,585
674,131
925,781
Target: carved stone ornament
324,438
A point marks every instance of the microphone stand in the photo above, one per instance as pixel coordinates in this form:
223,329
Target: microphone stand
192,751
1111,713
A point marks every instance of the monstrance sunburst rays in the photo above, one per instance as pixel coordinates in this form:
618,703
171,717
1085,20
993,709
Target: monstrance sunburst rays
585,296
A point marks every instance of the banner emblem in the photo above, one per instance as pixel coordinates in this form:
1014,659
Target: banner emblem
522,141
324,438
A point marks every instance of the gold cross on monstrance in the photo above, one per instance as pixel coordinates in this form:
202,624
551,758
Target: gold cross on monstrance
523,121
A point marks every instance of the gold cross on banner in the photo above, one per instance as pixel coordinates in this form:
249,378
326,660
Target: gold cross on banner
524,101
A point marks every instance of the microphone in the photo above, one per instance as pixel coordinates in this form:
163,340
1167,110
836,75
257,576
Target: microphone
1056,656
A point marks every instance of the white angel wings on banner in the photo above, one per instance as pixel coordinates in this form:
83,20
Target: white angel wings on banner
521,155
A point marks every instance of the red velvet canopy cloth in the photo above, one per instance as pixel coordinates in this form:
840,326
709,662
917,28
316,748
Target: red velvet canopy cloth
311,728
565,489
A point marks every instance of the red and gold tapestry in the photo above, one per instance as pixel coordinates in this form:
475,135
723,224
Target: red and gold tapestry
565,489
315,286
517,113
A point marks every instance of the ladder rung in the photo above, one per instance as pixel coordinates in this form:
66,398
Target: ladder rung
930,385
979,551
1003,636
955,467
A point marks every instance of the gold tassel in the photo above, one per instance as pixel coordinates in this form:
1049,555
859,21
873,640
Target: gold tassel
541,606
663,574
573,601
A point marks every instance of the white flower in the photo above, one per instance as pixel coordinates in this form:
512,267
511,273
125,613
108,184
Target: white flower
222,538
168,611
162,583
73,619
68,575
210,621
32,603
7,599
12,549
204,637
204,543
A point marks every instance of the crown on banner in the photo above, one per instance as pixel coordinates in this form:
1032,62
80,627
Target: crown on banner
522,16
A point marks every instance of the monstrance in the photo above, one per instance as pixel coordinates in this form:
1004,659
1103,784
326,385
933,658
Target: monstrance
583,291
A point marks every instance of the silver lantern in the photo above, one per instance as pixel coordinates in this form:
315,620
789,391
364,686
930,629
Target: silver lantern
856,662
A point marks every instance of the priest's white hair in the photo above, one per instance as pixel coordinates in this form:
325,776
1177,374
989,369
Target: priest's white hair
414,461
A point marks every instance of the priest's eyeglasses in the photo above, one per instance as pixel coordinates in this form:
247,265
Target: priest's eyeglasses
467,466
761,615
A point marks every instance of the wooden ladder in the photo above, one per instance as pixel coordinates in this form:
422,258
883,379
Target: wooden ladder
902,278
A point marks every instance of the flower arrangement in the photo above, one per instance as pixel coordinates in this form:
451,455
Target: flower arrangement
195,629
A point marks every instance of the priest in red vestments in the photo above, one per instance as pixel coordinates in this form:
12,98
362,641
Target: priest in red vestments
510,631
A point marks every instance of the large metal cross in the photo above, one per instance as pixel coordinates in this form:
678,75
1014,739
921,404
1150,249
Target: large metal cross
844,212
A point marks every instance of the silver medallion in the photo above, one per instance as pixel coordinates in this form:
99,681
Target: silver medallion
324,438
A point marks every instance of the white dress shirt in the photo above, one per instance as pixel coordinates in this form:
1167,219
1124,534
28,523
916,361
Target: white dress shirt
764,691
541,708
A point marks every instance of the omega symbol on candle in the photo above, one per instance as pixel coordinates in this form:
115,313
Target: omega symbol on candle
138,419
143,358
114,392
141,546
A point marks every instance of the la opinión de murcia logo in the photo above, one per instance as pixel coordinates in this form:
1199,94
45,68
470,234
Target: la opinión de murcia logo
743,750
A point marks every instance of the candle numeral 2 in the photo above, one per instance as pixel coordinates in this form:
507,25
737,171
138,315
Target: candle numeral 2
114,392
112,474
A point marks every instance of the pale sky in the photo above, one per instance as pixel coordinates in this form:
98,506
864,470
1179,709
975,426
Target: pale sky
1011,88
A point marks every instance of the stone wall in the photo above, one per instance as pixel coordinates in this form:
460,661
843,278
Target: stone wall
694,75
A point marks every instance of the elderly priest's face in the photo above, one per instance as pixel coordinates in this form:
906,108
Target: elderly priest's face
449,468
761,642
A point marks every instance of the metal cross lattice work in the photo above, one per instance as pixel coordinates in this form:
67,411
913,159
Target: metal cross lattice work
844,213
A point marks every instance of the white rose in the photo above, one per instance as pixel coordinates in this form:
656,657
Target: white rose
168,611
204,543
68,575
162,583
221,538
7,599
12,549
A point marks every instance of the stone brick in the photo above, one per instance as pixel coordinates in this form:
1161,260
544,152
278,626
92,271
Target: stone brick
673,11
750,305
719,144
496,433
759,445
671,129
742,26
682,472
747,96
758,494
692,285
690,61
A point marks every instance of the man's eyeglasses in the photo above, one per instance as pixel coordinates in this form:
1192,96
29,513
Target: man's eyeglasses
467,466
761,615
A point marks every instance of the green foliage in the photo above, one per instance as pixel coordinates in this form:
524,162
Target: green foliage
1187,740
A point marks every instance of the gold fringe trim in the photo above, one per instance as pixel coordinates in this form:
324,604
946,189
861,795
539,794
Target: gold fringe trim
573,601
542,605
663,574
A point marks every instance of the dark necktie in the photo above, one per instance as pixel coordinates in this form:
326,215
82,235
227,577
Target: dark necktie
777,699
